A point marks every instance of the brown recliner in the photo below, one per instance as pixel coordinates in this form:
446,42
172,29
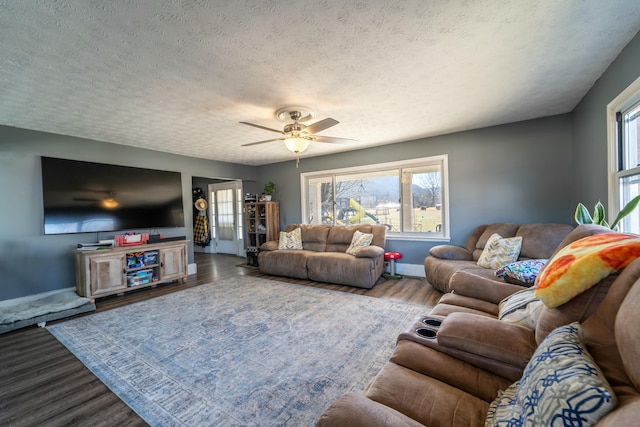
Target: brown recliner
421,385
475,294
538,241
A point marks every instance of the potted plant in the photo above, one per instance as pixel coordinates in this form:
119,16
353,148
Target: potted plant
269,189
582,215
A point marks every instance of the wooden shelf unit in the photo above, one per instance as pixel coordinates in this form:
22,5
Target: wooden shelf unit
105,272
262,222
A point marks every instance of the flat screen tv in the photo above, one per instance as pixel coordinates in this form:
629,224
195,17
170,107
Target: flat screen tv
84,197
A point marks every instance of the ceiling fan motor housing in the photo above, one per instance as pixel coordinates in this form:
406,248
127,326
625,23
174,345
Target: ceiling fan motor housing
297,130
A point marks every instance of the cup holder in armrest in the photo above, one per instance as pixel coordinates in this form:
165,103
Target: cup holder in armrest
426,333
435,323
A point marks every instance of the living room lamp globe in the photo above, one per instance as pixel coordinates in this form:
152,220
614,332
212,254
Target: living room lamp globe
297,145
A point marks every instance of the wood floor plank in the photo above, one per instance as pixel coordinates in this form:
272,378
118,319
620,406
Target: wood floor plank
43,384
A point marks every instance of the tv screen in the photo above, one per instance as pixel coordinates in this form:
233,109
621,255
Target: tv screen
83,197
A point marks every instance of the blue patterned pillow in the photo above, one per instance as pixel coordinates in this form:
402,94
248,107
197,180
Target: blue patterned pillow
523,271
561,386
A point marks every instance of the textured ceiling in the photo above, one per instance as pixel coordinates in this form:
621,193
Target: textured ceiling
178,76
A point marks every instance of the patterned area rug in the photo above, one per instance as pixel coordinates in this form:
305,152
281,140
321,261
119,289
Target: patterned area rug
241,351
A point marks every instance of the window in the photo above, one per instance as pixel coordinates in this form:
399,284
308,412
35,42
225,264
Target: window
624,154
408,197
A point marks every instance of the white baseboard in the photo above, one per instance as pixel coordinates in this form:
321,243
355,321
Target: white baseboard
14,301
415,270
192,269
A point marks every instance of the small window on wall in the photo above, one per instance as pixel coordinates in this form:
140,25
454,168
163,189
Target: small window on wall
624,155
409,197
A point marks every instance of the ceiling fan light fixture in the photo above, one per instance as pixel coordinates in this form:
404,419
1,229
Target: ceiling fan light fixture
297,145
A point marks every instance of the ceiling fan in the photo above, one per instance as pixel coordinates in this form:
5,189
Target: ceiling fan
297,136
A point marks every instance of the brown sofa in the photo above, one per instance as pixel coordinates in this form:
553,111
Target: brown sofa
450,379
323,257
539,241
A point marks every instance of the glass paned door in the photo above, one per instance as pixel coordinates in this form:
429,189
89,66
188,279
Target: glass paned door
224,217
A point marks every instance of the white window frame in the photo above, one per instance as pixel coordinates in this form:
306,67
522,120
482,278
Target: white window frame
628,97
442,160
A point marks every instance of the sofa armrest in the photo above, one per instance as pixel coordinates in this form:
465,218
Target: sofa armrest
451,252
370,251
474,286
356,410
487,337
271,245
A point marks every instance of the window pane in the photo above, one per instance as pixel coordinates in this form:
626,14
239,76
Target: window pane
239,221
631,119
369,198
224,207
320,200
422,199
214,229
630,188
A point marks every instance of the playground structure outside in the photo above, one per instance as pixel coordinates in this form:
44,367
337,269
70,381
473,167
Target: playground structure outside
424,219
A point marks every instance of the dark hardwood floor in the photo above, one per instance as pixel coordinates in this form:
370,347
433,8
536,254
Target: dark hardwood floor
43,384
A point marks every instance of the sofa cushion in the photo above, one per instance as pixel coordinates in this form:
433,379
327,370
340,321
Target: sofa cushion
344,269
521,272
583,263
355,410
290,240
359,241
487,337
469,302
561,385
500,251
411,393
541,240
579,309
504,229
314,237
521,308
286,262
450,252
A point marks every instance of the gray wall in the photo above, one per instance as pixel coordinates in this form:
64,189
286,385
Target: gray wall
518,172
32,263
590,127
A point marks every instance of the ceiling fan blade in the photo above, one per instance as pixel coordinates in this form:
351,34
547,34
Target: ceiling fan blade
320,138
262,142
262,127
321,125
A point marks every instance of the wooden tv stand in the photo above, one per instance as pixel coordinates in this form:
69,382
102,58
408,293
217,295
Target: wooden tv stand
103,272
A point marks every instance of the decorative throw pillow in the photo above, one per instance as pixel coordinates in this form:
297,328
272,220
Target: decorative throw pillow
583,263
521,308
500,251
290,240
523,271
359,241
561,386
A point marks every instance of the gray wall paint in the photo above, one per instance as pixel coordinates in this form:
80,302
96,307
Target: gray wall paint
518,172
590,127
32,263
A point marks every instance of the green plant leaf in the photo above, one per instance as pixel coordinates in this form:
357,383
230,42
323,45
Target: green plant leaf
628,208
582,215
599,214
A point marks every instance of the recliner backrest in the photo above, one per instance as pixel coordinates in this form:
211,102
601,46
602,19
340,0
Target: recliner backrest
504,229
612,337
